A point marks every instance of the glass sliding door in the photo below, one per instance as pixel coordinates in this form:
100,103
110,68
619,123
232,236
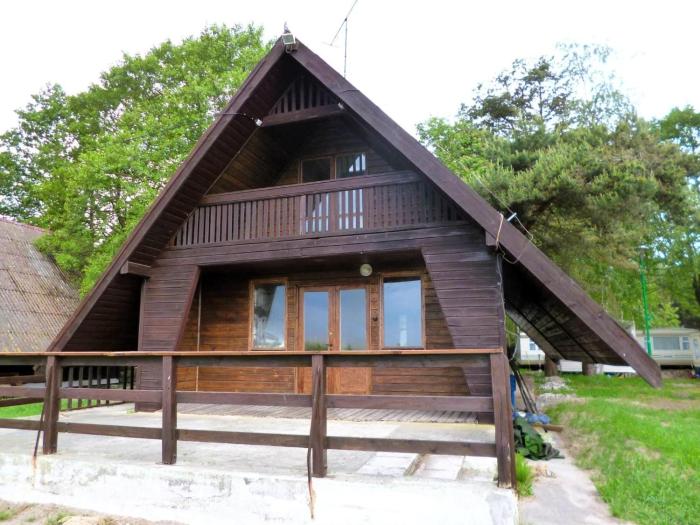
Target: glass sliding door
316,314
352,318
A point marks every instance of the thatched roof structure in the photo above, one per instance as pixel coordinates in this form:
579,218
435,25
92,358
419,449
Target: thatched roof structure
36,298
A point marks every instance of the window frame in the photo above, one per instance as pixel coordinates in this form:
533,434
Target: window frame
253,283
333,313
331,172
402,275
334,160
347,154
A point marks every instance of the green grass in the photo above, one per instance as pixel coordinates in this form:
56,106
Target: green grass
31,409
58,518
6,514
524,476
642,444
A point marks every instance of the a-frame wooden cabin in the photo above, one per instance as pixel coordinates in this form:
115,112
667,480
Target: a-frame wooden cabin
305,219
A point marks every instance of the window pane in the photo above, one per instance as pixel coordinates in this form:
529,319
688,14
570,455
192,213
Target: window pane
403,325
353,320
666,342
316,169
350,165
315,320
269,316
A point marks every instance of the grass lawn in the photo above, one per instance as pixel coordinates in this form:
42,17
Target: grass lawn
642,445
32,409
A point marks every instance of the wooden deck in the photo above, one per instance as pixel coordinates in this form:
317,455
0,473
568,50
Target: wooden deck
342,414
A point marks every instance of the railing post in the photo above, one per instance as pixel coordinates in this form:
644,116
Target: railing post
318,416
51,405
169,428
503,419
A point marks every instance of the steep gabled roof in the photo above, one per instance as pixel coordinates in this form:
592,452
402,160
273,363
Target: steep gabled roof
550,306
35,297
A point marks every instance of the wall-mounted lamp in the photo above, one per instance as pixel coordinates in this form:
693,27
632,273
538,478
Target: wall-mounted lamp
366,270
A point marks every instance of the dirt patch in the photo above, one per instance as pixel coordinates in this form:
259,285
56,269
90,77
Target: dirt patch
24,513
682,373
660,403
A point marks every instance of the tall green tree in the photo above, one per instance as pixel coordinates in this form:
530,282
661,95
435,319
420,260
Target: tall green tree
87,166
554,141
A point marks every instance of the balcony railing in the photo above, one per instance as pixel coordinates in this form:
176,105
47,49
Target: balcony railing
372,202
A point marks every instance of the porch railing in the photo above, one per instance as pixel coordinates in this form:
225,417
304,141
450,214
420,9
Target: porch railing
493,361
383,201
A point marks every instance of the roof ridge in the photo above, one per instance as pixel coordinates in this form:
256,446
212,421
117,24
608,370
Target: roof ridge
10,220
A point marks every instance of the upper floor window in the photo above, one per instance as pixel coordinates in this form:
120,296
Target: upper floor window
337,167
350,165
314,170
269,314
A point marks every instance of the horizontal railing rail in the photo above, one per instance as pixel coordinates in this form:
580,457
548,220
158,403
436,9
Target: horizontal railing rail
393,200
318,400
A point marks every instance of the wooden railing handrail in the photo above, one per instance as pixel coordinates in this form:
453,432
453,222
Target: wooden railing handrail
498,403
311,188
257,353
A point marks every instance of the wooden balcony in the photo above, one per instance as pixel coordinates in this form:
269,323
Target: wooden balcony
360,204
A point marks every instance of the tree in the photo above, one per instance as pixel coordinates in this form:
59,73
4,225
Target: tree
87,166
555,142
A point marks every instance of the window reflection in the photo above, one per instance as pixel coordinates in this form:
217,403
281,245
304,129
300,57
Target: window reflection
315,320
269,315
403,326
353,319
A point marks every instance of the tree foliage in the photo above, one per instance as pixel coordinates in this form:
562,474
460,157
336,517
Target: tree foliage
87,166
554,141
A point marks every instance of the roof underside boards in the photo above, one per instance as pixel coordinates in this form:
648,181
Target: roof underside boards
35,297
561,313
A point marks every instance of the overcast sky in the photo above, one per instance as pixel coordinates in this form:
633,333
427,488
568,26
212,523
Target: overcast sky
414,59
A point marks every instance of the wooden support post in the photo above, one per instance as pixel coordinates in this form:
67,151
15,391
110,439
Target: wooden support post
318,417
588,369
169,430
550,367
51,405
505,448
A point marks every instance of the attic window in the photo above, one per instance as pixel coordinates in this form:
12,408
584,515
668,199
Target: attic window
313,170
350,165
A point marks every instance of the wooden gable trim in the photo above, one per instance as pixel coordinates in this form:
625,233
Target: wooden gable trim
304,115
134,268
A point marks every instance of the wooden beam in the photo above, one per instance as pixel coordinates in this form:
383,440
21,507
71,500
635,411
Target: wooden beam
243,438
550,367
307,188
109,430
505,447
169,435
133,268
20,424
245,398
302,115
319,459
418,446
111,394
51,405
451,403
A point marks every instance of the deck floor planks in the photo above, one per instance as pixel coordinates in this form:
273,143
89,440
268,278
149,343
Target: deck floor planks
343,414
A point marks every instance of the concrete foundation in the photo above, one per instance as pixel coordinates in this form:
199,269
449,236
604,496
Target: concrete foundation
215,483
